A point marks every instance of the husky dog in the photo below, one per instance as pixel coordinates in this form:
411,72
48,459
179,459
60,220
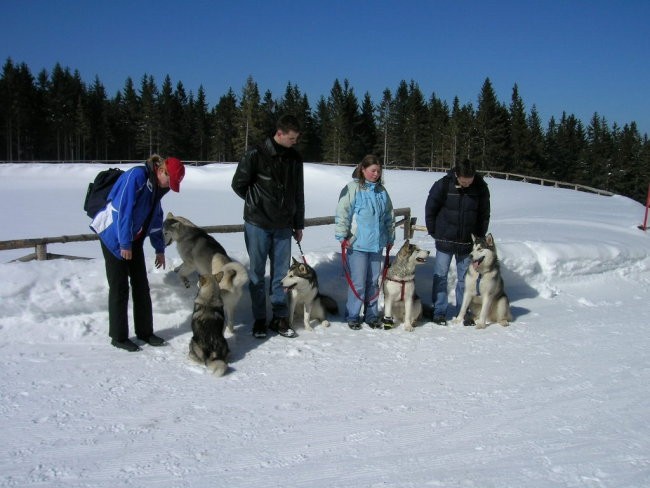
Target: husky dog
400,300
484,295
208,345
202,253
301,284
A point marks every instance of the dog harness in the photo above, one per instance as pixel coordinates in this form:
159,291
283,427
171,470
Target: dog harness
403,283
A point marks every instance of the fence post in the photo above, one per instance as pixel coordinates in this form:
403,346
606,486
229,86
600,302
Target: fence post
644,226
407,225
41,252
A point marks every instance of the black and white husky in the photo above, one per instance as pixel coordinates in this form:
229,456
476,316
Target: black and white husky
401,303
208,345
301,284
485,294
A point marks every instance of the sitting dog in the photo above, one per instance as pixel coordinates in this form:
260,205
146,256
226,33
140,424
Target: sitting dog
401,303
485,294
208,345
301,284
202,253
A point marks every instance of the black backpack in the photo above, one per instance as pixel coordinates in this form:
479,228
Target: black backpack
99,189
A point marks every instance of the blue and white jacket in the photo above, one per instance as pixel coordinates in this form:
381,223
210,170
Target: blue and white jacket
364,216
134,196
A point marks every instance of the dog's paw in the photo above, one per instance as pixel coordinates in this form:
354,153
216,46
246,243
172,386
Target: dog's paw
480,325
325,323
408,327
308,327
456,320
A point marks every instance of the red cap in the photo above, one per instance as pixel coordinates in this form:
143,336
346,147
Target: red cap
176,172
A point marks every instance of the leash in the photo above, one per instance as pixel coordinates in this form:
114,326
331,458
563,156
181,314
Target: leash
302,254
346,271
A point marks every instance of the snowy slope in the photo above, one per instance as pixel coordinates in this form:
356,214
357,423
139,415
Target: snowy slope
558,399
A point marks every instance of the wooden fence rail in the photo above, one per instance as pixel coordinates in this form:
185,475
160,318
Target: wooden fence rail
40,244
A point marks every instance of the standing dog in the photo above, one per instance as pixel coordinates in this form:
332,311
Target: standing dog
202,253
301,284
485,293
208,345
401,303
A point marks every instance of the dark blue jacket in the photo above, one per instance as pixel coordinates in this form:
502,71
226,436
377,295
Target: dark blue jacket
453,213
134,197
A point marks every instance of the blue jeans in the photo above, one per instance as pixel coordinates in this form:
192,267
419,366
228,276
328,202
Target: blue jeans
364,273
440,272
261,244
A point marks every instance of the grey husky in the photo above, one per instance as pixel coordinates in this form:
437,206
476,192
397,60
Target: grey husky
208,345
202,253
301,284
485,294
401,303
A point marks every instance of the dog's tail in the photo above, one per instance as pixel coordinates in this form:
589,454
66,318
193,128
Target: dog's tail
234,276
218,367
329,304
217,360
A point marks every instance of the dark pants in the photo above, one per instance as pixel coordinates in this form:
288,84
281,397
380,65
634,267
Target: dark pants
118,272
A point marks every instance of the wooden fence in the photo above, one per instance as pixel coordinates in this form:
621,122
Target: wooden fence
40,244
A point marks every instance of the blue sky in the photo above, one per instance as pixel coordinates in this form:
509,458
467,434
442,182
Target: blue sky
579,57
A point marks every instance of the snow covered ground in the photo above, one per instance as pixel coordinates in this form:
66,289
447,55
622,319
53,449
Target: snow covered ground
558,399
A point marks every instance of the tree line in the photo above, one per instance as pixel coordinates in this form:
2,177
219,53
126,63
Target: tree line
57,116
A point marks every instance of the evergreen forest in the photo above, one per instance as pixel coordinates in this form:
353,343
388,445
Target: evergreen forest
58,117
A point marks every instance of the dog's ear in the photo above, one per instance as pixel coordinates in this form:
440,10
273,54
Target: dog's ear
404,250
219,276
202,280
489,239
170,215
294,260
302,268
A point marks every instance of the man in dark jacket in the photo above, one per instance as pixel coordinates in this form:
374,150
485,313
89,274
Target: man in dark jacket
457,207
270,180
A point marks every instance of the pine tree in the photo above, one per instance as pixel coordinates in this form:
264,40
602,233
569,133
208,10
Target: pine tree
97,114
337,126
268,113
402,145
599,153
568,144
19,112
384,144
463,132
250,121
417,118
536,148
147,140
366,130
128,109
201,124
438,131
520,139
224,132
628,163
490,140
